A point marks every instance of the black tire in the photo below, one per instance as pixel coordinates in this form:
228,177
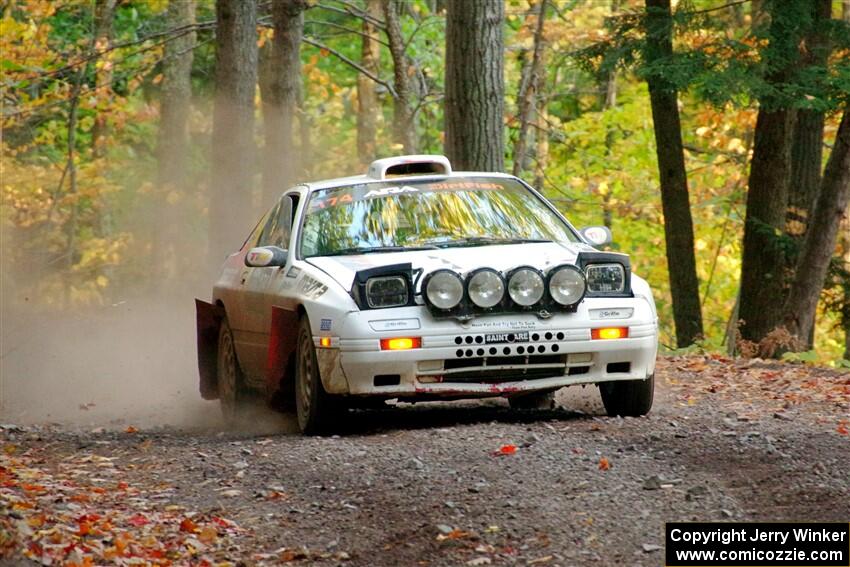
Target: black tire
628,398
535,401
314,407
233,395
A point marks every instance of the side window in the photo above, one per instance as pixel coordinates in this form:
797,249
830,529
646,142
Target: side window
292,207
278,227
268,228
254,237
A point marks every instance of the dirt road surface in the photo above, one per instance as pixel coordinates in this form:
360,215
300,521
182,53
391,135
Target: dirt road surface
439,484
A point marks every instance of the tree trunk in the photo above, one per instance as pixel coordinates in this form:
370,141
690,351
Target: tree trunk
175,100
807,147
475,86
678,225
173,139
819,244
280,84
541,150
367,100
763,264
404,128
528,92
806,161
233,151
104,13
609,101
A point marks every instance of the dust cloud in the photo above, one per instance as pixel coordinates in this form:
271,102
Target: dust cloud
130,363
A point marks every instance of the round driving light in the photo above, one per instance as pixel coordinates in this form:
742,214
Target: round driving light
525,287
566,285
444,289
486,288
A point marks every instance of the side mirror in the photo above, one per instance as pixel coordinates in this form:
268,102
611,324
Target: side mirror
597,235
266,257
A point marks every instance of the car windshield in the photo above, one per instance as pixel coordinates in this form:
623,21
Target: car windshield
427,214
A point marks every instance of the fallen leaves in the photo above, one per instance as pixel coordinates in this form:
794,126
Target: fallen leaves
604,464
72,514
301,554
783,388
505,450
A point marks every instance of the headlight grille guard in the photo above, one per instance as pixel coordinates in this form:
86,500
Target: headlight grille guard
406,271
466,309
586,259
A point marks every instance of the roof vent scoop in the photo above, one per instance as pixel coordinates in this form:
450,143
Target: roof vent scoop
403,166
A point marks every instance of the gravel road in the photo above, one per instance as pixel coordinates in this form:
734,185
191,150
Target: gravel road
441,484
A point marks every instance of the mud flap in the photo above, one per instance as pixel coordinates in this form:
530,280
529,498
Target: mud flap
282,340
208,319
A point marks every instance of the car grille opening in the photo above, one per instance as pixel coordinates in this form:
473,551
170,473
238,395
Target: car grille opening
387,380
619,367
494,370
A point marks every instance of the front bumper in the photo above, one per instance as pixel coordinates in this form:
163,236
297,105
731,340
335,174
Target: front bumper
455,359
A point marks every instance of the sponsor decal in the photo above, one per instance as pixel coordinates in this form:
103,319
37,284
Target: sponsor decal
384,191
394,324
463,186
312,288
493,338
326,325
499,325
621,313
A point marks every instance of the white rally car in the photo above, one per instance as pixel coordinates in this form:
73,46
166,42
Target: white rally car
417,283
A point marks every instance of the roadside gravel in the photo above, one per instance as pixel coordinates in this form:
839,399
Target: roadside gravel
441,484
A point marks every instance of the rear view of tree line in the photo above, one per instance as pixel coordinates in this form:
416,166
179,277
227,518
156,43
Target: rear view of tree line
551,89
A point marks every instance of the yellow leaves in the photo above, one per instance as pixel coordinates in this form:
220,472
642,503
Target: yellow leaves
602,188
264,35
208,535
736,145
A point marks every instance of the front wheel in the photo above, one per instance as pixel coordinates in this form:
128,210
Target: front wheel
628,398
313,406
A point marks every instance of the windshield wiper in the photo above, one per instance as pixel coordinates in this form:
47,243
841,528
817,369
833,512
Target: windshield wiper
486,240
354,250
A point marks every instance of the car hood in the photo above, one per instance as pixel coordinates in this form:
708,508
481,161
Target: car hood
541,255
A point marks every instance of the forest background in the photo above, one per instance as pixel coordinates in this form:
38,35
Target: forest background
143,138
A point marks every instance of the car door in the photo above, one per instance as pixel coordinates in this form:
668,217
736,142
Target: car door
231,288
254,329
281,282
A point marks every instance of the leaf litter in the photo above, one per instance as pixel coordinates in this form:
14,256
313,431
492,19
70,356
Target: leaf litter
79,514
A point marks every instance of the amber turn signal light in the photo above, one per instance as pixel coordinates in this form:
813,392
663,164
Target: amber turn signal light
610,333
324,342
401,343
